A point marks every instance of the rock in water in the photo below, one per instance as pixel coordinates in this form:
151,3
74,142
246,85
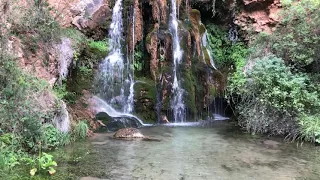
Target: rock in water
128,133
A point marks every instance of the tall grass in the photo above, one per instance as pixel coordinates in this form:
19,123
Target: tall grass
80,130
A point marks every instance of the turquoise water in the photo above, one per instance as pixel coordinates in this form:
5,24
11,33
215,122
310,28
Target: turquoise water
222,152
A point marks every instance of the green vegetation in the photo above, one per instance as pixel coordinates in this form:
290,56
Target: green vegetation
225,53
43,162
275,88
270,97
28,105
86,60
99,48
81,130
35,25
298,41
138,60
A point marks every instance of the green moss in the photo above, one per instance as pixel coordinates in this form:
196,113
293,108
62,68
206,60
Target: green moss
148,38
98,48
86,60
202,29
75,35
198,72
188,84
145,99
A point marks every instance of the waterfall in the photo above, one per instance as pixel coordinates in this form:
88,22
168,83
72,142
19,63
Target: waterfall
177,103
204,41
217,103
129,105
115,78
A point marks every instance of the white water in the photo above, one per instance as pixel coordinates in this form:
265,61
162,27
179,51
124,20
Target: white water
177,103
116,76
65,56
204,44
129,106
99,105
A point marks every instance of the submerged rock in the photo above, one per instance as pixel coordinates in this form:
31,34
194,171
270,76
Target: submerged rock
133,133
128,133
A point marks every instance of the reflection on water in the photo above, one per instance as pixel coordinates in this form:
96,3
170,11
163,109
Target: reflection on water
191,153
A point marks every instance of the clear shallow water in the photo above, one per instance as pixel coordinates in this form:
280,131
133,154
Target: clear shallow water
222,152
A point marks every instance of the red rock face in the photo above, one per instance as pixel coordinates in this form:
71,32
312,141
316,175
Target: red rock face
138,27
262,15
63,8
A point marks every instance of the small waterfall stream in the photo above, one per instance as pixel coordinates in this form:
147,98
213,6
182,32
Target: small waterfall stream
177,103
129,106
204,41
115,78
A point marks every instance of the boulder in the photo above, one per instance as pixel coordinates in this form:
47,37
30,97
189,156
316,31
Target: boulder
128,133
133,133
92,17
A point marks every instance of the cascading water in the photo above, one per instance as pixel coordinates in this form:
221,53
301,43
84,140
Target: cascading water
111,77
217,105
116,83
177,103
204,41
129,106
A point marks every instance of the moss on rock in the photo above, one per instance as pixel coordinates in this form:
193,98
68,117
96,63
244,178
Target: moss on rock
145,99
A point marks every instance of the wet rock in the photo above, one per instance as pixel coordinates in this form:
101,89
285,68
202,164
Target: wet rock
128,133
109,123
92,17
133,133
152,48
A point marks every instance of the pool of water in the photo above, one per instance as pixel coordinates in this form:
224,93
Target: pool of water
218,153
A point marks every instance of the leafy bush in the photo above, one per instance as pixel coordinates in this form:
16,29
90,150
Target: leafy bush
310,127
10,151
297,39
62,93
270,97
53,138
20,111
138,60
44,162
224,52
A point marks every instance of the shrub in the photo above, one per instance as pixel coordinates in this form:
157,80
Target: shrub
271,97
310,127
297,39
50,137
224,52
80,130
44,162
